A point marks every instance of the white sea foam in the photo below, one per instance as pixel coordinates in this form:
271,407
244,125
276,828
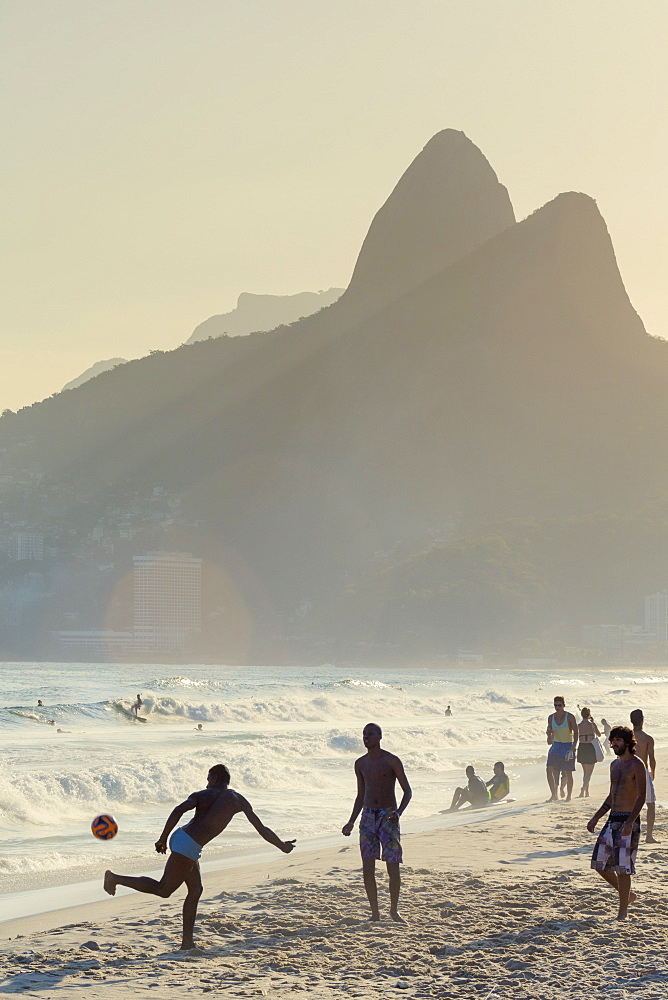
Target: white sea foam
289,737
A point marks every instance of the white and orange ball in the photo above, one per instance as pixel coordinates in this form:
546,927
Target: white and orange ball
104,827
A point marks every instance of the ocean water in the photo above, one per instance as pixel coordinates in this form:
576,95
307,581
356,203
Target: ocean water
289,736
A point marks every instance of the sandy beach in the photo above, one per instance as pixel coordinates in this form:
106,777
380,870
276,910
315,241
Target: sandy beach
502,906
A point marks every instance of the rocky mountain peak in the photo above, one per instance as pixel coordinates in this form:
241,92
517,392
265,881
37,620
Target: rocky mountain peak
448,202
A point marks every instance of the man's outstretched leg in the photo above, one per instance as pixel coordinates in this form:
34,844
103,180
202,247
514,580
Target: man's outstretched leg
395,888
194,886
176,872
369,875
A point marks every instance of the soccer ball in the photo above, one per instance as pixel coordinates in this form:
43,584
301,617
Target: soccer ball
104,827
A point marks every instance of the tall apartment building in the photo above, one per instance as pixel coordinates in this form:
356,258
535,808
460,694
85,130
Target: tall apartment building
167,600
27,545
656,617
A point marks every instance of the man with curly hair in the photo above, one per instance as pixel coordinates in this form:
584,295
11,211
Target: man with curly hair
617,845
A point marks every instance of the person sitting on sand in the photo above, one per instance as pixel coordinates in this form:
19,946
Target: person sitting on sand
499,783
475,792
562,738
137,705
214,808
617,845
645,750
377,773
587,730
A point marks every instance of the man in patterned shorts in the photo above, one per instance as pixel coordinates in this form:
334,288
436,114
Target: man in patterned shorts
377,773
617,845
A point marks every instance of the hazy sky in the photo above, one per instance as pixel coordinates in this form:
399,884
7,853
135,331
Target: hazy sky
162,156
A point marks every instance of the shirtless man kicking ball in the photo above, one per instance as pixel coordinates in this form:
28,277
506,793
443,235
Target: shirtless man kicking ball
214,808
376,773
617,845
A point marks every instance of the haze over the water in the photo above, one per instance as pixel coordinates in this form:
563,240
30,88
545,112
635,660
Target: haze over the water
162,158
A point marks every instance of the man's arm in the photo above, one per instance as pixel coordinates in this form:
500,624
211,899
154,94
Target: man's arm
651,759
403,782
173,818
641,785
358,803
573,726
550,734
606,807
283,845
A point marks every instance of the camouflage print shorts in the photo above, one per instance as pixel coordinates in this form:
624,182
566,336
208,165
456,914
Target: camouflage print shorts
379,828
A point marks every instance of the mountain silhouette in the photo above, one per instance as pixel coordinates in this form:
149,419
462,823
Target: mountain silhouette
447,203
259,313
504,375
93,371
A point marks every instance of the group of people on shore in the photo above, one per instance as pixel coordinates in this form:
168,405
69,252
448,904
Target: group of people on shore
570,742
377,774
631,787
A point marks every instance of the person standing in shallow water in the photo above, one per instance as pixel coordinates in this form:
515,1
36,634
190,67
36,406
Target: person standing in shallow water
377,773
617,845
562,738
214,808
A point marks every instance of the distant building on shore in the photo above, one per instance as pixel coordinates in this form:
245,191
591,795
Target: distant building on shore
27,546
167,600
656,617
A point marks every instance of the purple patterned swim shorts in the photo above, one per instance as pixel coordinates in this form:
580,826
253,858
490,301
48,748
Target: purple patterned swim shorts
380,828
614,853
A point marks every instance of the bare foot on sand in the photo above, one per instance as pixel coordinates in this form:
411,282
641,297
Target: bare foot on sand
110,883
553,799
396,916
632,897
649,839
374,918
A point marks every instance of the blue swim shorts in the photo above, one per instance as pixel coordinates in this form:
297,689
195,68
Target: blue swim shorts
182,843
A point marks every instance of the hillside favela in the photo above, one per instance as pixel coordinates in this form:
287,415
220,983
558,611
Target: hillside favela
334,501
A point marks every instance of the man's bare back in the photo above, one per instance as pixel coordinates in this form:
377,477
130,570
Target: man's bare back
644,747
214,808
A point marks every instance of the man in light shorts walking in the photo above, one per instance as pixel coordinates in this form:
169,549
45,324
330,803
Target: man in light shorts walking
214,808
562,738
645,750
377,773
